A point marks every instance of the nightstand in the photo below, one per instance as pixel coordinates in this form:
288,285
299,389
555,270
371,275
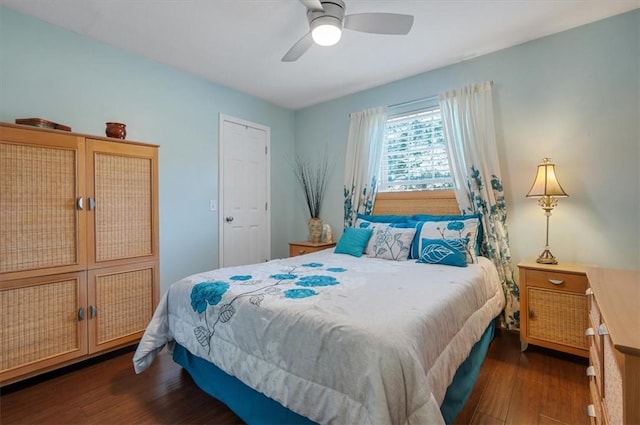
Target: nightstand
300,248
553,306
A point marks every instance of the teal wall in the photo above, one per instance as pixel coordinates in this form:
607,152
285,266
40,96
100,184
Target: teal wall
572,96
57,75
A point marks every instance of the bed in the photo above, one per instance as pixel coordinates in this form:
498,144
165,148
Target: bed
331,337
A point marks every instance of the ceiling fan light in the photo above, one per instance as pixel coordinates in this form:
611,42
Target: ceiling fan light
326,31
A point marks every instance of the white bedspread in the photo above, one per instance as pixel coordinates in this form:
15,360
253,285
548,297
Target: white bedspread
338,339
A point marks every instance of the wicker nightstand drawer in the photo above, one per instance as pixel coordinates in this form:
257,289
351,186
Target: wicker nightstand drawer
557,280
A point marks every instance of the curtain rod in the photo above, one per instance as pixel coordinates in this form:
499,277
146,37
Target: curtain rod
422,99
411,102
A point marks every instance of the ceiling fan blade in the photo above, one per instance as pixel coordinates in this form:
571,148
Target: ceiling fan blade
379,23
299,48
314,5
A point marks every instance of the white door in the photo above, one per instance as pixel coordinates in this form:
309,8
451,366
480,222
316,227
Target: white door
245,235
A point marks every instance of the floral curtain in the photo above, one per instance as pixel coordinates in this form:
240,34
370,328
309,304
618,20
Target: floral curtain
467,115
364,150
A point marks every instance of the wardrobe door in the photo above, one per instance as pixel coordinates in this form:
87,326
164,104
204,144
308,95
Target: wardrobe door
121,303
42,216
43,323
122,195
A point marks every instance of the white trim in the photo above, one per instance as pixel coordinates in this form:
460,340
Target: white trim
228,118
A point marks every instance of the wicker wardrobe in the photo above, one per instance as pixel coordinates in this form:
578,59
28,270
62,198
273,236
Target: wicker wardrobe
78,247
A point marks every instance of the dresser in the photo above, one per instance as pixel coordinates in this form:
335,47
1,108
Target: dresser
301,248
553,306
78,247
614,347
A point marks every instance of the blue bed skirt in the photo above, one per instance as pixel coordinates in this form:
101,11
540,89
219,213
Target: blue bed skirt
255,408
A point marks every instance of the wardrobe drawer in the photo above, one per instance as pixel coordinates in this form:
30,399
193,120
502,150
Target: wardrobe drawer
595,362
594,310
595,338
596,404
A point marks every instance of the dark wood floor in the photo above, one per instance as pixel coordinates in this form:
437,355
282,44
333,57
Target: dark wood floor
535,387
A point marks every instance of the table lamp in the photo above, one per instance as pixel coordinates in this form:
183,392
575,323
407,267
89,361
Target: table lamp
547,189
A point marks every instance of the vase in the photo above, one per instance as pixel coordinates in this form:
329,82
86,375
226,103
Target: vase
116,130
315,229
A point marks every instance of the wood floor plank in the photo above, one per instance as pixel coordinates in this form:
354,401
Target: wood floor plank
529,387
566,378
503,358
512,387
549,386
526,402
482,419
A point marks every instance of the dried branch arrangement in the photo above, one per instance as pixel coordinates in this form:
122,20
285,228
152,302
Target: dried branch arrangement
314,180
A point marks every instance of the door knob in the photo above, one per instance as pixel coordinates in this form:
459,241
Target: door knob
229,219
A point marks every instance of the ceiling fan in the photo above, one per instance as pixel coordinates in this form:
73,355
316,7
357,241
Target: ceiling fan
327,19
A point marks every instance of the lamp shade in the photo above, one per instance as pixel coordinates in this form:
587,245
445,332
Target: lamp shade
546,182
326,30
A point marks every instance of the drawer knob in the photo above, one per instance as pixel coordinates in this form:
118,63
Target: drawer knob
591,371
589,332
602,329
591,411
589,291
302,251
556,281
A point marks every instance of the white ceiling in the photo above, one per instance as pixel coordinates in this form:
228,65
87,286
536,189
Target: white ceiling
239,43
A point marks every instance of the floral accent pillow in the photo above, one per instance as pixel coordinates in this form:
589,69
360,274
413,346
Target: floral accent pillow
448,229
451,252
391,243
362,223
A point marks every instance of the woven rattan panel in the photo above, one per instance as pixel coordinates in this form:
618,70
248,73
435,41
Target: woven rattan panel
37,200
613,395
38,322
124,210
558,317
125,303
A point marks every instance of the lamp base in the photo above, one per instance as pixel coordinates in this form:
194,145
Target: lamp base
546,258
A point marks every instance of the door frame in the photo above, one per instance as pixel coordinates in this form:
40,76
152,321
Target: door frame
221,120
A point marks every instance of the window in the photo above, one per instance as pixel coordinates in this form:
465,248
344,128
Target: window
414,156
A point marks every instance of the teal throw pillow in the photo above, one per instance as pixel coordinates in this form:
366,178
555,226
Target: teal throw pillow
451,252
465,227
479,234
353,241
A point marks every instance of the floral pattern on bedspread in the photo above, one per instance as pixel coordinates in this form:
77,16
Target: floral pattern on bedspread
211,293
335,338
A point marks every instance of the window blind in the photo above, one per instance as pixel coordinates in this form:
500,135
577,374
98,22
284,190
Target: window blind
415,153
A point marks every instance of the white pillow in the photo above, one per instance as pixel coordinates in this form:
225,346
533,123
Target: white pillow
391,243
